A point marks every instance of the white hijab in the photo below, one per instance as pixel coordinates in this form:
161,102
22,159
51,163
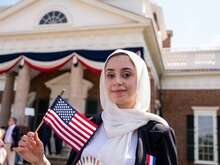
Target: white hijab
120,124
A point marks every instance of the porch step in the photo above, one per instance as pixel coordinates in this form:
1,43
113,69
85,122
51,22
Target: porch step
54,160
57,160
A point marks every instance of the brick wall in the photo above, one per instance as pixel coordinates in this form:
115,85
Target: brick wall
177,105
167,42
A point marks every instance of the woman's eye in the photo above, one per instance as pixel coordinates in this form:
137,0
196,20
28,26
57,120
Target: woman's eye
126,75
110,75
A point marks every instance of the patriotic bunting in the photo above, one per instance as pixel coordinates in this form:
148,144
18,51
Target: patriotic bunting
49,61
47,66
6,66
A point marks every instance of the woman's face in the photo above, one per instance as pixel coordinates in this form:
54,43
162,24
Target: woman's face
121,81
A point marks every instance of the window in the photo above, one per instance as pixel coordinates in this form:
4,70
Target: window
53,17
205,123
205,138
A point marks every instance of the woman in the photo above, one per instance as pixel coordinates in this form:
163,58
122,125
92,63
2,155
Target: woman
127,134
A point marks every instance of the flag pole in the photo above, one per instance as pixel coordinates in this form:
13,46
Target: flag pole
42,121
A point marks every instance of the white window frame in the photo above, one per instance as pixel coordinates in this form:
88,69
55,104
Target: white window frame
205,111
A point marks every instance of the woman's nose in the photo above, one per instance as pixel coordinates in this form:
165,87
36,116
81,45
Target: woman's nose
118,80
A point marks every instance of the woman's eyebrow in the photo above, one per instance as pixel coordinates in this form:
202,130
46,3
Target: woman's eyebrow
126,68
123,69
109,69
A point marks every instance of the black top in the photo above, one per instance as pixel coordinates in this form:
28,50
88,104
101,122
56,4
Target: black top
154,139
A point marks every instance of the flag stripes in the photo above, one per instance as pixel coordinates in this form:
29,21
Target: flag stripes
83,118
64,131
53,118
68,124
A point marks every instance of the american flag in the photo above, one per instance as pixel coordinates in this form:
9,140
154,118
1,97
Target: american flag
71,126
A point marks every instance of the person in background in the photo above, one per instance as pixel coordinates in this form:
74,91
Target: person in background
11,138
128,134
58,144
3,152
45,135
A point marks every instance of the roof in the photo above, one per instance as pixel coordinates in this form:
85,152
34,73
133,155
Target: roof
3,8
24,3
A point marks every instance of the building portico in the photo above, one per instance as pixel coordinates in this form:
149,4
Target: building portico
69,45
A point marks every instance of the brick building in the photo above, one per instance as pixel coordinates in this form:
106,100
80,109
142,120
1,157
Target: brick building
189,96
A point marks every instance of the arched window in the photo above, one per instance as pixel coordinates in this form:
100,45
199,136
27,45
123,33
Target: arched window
53,17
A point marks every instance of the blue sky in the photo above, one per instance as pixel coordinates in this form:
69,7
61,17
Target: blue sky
8,2
194,22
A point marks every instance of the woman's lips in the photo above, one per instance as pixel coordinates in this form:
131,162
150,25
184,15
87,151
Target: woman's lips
119,92
116,91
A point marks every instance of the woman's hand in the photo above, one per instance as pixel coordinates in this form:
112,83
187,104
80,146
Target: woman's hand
31,149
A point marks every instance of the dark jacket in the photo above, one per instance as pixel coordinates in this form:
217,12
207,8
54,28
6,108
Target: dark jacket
15,136
154,139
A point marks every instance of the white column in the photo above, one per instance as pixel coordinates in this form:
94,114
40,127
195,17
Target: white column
7,98
21,95
76,85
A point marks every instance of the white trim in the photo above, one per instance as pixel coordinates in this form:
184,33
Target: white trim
150,63
72,29
15,8
206,162
195,82
132,37
205,111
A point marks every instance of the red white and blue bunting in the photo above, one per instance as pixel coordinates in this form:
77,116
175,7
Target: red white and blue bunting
8,65
93,60
49,65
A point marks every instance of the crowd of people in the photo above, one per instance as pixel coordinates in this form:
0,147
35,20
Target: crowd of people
9,137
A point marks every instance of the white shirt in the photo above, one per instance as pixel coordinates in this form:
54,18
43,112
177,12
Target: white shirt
99,139
8,134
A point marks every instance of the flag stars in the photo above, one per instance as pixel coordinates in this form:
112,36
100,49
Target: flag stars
63,110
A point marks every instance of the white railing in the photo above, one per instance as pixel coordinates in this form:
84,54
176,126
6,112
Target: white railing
191,60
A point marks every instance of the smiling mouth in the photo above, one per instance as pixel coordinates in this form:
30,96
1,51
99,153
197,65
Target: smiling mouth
119,91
